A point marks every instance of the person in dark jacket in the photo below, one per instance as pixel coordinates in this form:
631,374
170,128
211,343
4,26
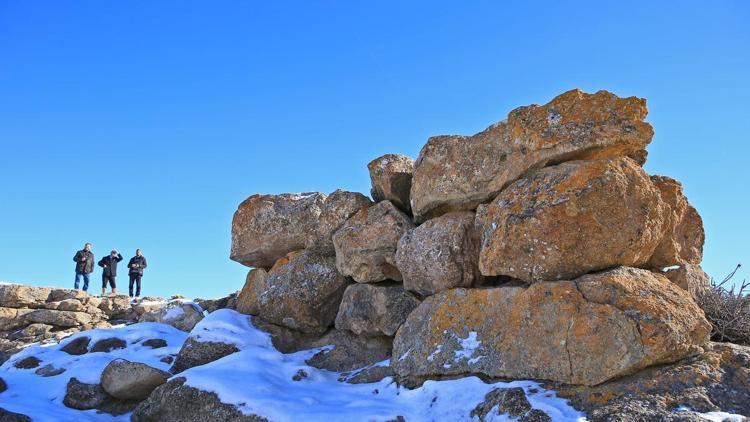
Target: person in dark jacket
136,265
109,264
84,266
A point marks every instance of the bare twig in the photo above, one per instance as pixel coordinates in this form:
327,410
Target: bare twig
728,310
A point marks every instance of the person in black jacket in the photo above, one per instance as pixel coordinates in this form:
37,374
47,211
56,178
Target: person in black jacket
109,264
84,266
136,266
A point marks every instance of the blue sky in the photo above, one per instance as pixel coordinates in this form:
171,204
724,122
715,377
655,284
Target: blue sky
144,124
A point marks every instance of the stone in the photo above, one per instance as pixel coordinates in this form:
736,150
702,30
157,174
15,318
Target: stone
58,295
196,353
454,173
49,370
71,305
211,305
691,278
302,291
440,254
248,301
118,307
33,333
81,396
586,331
507,401
8,416
337,208
181,315
78,346
177,402
717,380
368,375
3,385
267,227
108,344
390,176
20,296
366,244
373,310
126,380
683,240
63,319
155,343
30,362
571,219
350,351
12,318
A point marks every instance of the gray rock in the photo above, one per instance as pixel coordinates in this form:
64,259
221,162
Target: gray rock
390,176
77,346
8,416
349,351
126,380
155,343
49,371
81,396
508,401
366,244
441,254
302,291
374,310
367,375
108,344
337,208
177,402
195,353
30,362
267,227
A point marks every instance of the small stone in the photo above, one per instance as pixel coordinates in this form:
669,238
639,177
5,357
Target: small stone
78,346
49,371
126,380
510,401
108,345
390,176
155,343
30,362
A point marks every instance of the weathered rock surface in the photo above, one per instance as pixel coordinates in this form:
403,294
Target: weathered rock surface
108,344
20,296
349,351
586,331
58,318
29,362
267,227
337,208
718,380
440,254
195,353
373,310
78,346
683,239
302,291
570,219
8,416
511,402
689,277
366,244
177,402
390,176
131,380
458,172
248,301
82,396
182,316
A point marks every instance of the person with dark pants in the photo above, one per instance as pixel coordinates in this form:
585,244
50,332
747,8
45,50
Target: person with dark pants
109,264
136,266
84,266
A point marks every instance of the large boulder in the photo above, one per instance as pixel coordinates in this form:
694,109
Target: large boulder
302,291
373,310
64,319
20,296
571,219
441,254
366,244
178,314
459,172
176,401
390,176
248,301
267,227
336,209
586,331
127,380
683,238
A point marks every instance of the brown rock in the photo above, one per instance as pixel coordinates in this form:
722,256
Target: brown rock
689,277
587,331
58,318
127,380
366,244
20,296
12,318
440,254
267,227
337,208
302,291
248,300
683,238
459,172
349,351
571,219
374,309
390,176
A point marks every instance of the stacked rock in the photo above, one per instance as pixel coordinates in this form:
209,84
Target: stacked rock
537,248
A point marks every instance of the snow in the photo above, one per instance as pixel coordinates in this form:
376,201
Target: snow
468,346
42,398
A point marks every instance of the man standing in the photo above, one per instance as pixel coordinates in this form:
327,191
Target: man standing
84,266
136,265
109,264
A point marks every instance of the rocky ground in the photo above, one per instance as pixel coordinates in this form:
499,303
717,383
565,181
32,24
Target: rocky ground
533,271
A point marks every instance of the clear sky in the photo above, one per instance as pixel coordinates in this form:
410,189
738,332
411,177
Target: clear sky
145,124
